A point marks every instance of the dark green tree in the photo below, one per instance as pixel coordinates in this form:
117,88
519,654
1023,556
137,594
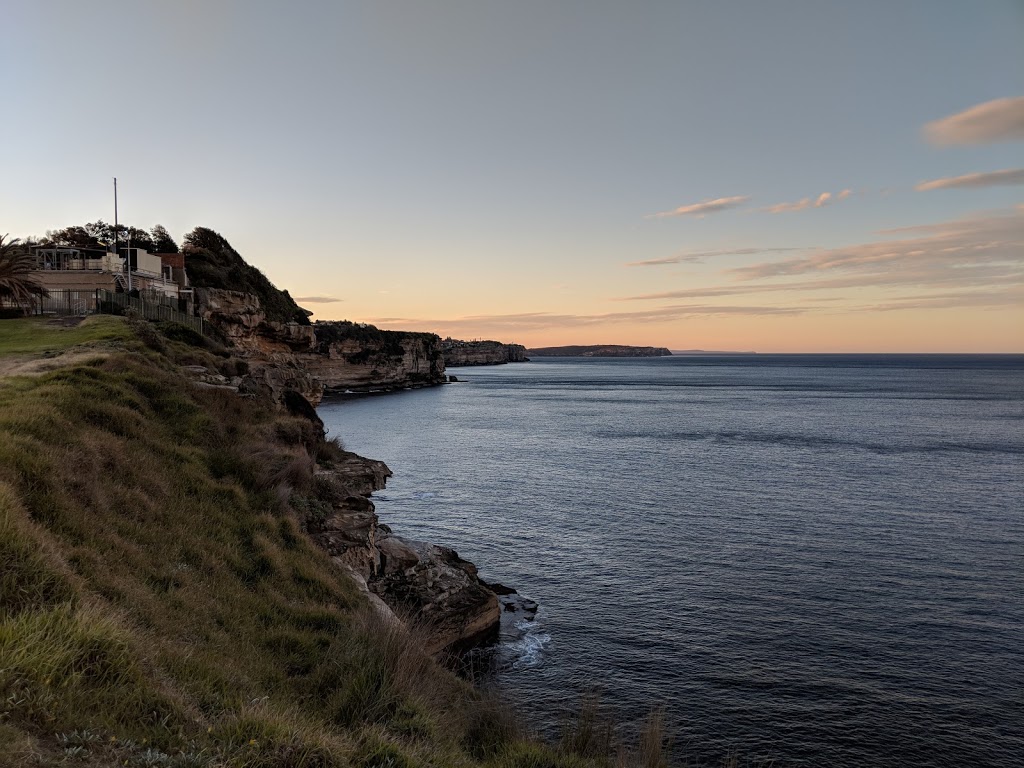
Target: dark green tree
162,240
138,238
98,234
71,237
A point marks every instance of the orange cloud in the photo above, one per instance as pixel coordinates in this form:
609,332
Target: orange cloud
945,251
825,198
700,256
703,208
975,180
987,123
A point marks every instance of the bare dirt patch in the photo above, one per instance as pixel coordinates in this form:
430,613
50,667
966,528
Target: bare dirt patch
34,365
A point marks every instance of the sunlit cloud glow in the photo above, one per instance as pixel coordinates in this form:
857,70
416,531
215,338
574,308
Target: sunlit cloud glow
825,198
987,123
700,257
703,208
534,321
977,261
1008,177
954,245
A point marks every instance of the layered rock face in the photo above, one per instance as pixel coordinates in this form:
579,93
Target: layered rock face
329,356
423,582
361,358
271,349
459,353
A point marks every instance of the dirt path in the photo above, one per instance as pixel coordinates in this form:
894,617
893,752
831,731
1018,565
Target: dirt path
36,364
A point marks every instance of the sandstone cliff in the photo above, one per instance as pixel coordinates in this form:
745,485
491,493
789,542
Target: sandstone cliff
273,350
361,358
459,353
331,356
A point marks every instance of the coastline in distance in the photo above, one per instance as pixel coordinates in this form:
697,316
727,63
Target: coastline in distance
599,350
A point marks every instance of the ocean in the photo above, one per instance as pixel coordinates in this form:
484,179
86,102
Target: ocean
804,559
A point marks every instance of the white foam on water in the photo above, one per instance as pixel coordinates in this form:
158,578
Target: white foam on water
529,649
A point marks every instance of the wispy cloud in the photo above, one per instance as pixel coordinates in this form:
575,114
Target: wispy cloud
699,257
825,198
1008,177
703,208
534,321
316,299
1012,296
973,241
799,205
982,276
977,257
987,123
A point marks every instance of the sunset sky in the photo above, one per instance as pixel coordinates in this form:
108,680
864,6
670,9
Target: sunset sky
775,176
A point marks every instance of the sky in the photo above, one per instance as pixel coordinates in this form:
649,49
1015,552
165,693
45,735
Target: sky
792,176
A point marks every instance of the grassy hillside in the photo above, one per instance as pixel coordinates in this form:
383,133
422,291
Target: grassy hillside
161,605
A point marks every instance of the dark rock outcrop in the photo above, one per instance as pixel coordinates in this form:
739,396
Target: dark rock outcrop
424,582
460,353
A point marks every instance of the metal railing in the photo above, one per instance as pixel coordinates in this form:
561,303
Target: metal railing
110,303
71,303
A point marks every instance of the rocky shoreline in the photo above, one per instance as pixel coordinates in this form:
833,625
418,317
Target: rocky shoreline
294,366
405,579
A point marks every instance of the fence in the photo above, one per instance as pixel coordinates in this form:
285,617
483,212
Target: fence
110,303
65,302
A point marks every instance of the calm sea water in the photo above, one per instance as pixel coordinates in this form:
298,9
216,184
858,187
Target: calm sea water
812,560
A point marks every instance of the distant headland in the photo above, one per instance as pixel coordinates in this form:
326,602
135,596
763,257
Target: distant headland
710,352
599,350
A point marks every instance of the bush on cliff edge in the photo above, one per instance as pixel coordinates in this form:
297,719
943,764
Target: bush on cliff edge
211,262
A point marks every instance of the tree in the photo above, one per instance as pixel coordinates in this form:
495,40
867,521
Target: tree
71,237
137,238
162,241
99,234
17,283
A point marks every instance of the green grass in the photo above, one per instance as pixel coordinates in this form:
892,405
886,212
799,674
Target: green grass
161,604
38,335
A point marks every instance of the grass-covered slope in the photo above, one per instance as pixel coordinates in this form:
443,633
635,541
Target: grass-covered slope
161,603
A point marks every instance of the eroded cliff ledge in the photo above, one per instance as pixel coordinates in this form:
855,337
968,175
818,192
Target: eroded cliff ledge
459,353
357,357
325,357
